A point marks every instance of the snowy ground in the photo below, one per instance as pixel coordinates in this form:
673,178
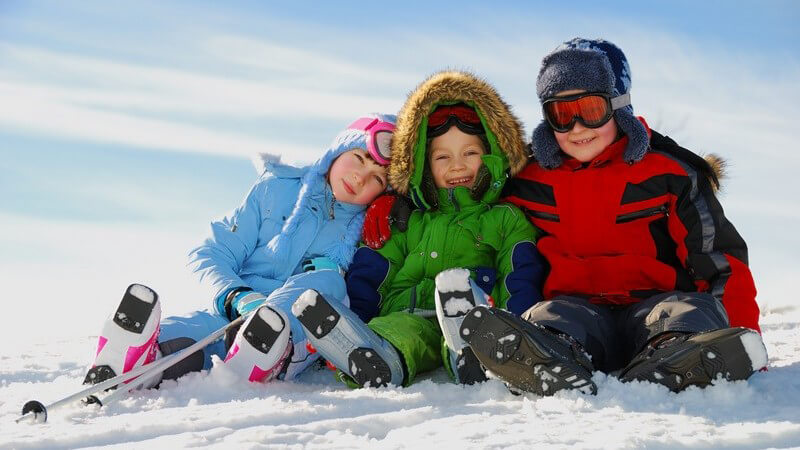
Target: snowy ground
209,409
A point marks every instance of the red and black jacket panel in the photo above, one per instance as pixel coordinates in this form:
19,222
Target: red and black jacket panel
617,233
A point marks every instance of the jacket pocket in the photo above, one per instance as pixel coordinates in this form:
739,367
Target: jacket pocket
661,210
541,215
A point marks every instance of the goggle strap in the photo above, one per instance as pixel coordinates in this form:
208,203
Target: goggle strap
621,101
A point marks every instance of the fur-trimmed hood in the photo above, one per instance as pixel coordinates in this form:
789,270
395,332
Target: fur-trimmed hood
503,128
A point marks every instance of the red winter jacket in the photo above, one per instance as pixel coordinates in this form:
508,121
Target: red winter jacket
617,233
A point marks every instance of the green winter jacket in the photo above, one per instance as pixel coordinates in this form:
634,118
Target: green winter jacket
459,228
455,228
461,232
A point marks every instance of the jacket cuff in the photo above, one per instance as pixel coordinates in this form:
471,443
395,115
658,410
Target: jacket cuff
227,306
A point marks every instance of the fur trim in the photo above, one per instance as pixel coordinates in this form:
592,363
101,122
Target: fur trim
453,86
264,161
719,166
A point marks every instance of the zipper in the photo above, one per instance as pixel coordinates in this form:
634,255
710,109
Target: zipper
541,215
452,197
333,203
649,212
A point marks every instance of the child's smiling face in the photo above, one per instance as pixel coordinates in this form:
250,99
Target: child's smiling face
584,144
356,178
455,158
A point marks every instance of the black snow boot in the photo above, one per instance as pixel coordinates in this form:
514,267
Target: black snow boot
678,360
526,356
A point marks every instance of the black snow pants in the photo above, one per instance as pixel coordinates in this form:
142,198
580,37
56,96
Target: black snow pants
614,334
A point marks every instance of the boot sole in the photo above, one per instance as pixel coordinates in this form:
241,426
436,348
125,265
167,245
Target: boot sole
135,308
130,318
368,369
451,308
364,365
260,333
521,358
453,305
468,368
720,353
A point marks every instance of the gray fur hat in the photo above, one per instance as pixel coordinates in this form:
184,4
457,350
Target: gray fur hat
593,66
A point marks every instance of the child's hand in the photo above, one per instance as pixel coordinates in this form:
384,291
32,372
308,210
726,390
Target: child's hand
385,211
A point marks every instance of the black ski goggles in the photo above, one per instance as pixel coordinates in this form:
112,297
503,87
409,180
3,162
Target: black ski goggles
460,115
591,109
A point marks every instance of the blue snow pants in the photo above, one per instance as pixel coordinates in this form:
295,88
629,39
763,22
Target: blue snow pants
614,334
179,332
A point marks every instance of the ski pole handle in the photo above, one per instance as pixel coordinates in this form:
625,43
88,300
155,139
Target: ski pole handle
159,365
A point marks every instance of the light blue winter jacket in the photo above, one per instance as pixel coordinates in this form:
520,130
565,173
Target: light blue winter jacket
288,216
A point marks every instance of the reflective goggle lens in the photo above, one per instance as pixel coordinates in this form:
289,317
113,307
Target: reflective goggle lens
381,140
463,113
460,115
591,109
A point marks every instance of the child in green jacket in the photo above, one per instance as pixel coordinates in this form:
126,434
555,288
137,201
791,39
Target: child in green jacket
455,145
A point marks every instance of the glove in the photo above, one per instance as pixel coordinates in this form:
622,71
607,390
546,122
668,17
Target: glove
320,263
246,302
385,211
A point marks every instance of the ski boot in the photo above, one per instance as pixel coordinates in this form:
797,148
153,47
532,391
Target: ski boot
342,338
679,360
262,346
455,296
525,356
129,338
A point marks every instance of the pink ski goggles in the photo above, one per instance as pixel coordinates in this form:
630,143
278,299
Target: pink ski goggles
379,134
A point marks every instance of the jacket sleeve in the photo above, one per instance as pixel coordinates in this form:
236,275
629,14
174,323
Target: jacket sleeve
521,267
711,249
371,274
364,278
233,239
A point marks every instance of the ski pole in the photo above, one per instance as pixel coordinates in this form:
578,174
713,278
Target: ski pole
115,395
37,411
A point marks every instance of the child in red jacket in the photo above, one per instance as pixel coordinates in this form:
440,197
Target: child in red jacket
647,277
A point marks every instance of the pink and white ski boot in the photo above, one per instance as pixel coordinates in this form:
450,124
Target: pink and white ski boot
129,338
262,346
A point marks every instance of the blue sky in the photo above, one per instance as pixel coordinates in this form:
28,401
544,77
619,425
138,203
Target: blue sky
126,127
122,58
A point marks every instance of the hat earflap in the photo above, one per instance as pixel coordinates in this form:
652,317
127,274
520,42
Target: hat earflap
545,147
638,139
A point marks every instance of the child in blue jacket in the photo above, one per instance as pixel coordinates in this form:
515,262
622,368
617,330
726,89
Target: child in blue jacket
297,229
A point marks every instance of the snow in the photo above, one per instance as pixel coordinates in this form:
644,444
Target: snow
507,338
452,280
755,350
457,306
213,409
143,293
307,299
271,318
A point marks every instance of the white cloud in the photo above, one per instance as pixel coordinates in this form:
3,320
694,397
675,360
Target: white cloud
158,108
304,65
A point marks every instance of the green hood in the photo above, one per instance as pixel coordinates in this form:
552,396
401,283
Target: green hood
507,154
